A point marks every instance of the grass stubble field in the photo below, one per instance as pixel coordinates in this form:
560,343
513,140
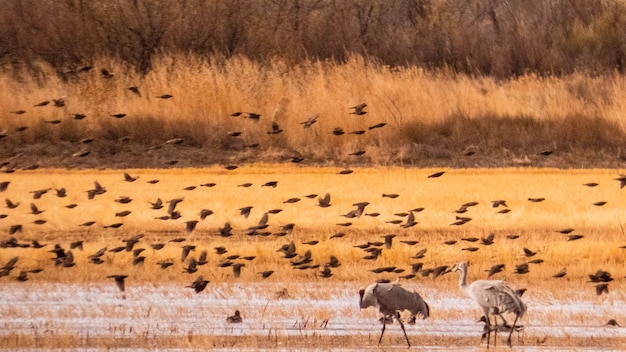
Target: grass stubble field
556,305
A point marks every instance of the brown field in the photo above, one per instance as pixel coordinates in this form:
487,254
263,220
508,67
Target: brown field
568,203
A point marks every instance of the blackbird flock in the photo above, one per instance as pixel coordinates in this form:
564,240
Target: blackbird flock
63,255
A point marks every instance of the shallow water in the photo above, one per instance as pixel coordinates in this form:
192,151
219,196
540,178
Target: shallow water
92,310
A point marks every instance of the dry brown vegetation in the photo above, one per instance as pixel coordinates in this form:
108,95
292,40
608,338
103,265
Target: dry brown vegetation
486,37
501,80
431,119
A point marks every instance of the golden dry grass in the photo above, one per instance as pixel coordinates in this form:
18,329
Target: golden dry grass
216,89
568,204
432,116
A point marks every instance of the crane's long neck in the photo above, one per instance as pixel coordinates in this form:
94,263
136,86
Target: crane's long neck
463,277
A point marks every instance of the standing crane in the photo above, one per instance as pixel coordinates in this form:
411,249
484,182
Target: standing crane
391,299
494,297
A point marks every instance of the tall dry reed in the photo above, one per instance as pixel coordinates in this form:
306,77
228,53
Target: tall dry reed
428,116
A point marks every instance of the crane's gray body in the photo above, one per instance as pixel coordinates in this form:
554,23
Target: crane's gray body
391,299
494,297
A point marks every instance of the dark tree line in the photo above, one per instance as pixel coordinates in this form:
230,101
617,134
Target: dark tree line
494,37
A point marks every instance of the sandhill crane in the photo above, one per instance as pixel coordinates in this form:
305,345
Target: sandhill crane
391,299
494,297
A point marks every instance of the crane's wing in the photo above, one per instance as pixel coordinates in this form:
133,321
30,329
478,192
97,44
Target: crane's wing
502,297
393,298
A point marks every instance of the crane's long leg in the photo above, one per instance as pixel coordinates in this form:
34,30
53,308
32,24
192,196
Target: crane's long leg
383,331
403,330
508,341
495,333
488,328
